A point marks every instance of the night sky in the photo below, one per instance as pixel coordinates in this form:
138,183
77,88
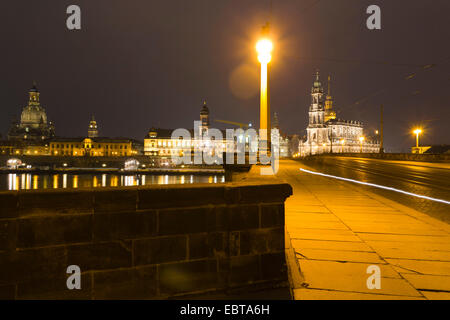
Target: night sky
141,63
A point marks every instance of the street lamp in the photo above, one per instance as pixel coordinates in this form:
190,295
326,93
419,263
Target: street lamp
264,48
361,140
342,145
417,132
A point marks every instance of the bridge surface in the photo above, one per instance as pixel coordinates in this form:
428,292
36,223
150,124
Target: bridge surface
337,229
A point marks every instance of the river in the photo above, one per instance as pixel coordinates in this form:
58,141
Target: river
29,181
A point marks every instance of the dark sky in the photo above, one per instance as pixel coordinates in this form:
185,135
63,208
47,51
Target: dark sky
141,63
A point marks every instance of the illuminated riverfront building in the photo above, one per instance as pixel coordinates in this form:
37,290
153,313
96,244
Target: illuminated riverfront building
283,138
159,142
34,136
95,147
326,133
33,125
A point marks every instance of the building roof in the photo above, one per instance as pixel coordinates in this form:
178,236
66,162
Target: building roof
97,139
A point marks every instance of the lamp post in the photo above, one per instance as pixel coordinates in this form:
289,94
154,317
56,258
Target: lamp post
342,145
417,132
264,48
361,140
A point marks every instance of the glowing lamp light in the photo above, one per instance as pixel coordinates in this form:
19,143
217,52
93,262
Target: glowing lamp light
264,48
361,139
418,131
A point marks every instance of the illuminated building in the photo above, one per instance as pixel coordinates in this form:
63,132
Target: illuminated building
93,128
204,119
33,125
95,147
159,142
328,134
283,138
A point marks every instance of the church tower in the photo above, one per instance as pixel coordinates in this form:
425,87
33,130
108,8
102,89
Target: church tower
93,128
316,110
204,119
330,114
317,131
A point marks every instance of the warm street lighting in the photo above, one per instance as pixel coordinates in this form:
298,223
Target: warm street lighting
264,48
342,145
361,140
417,132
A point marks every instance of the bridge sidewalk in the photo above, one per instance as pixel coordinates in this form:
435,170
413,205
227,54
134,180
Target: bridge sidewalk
338,229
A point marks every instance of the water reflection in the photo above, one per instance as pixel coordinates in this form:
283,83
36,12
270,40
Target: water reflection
41,181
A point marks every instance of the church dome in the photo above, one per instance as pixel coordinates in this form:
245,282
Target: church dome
33,115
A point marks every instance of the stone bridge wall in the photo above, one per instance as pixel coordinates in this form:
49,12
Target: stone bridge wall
141,242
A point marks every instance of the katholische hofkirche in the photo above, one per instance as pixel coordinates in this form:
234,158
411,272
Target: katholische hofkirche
326,133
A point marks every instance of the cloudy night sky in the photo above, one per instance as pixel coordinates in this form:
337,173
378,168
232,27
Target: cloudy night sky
140,63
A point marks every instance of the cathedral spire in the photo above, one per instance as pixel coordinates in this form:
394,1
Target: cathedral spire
329,86
330,114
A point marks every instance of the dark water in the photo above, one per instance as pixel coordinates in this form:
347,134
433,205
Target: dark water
73,181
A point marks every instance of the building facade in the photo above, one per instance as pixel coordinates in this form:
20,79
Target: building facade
33,124
328,134
34,135
95,147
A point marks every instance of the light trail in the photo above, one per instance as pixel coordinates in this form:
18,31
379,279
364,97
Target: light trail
376,186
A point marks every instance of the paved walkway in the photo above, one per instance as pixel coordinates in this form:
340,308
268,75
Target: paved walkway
337,230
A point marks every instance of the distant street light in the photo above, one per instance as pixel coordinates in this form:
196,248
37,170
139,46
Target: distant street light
342,145
264,48
417,132
361,140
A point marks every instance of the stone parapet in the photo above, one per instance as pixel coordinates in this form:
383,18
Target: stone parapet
142,242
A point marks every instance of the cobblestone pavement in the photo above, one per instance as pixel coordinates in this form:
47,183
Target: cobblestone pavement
337,229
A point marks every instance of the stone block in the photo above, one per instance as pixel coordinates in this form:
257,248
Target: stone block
55,202
273,266
179,196
115,200
244,270
124,225
133,283
272,216
253,242
9,207
244,217
159,250
55,288
207,245
275,240
99,256
8,234
182,221
63,229
7,292
264,193
31,264
234,243
191,276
